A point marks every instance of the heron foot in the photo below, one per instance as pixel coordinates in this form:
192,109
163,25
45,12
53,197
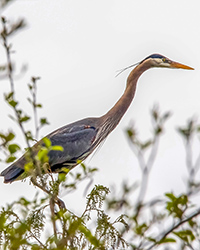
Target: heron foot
60,203
57,200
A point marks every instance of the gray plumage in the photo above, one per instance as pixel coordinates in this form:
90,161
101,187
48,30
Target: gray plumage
79,139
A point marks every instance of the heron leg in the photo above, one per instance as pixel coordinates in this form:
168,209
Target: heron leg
56,199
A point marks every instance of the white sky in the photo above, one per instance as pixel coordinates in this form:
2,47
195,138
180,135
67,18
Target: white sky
76,48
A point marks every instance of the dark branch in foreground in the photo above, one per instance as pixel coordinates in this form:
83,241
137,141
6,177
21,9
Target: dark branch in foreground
173,228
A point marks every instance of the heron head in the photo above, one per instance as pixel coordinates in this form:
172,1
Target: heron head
159,61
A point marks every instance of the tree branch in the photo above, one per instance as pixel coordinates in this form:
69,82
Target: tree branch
173,228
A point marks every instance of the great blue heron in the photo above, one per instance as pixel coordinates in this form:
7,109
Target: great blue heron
81,138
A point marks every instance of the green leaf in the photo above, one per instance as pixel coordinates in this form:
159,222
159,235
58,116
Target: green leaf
146,144
171,196
30,86
93,170
192,223
130,132
155,113
93,240
78,176
38,105
13,148
10,100
47,142
24,119
35,78
13,103
3,67
23,201
84,167
65,170
151,239
158,130
7,137
57,148
185,235
177,205
28,167
2,221
43,155
43,121
10,136
9,95
140,229
10,159
61,177
167,240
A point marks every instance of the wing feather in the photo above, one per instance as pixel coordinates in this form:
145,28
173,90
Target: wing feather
75,142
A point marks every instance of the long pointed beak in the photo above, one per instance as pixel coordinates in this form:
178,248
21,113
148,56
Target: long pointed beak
180,66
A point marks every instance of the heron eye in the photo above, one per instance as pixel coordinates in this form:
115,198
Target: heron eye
163,59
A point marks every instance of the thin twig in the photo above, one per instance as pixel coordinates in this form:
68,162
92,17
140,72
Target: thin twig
197,164
34,103
147,168
173,228
153,153
52,208
32,235
10,77
7,47
57,200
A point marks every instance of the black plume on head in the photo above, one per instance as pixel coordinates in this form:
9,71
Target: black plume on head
154,56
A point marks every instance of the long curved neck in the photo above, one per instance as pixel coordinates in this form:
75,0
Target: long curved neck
114,115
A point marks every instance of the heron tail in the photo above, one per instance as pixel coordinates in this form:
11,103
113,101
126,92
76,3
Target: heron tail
11,173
